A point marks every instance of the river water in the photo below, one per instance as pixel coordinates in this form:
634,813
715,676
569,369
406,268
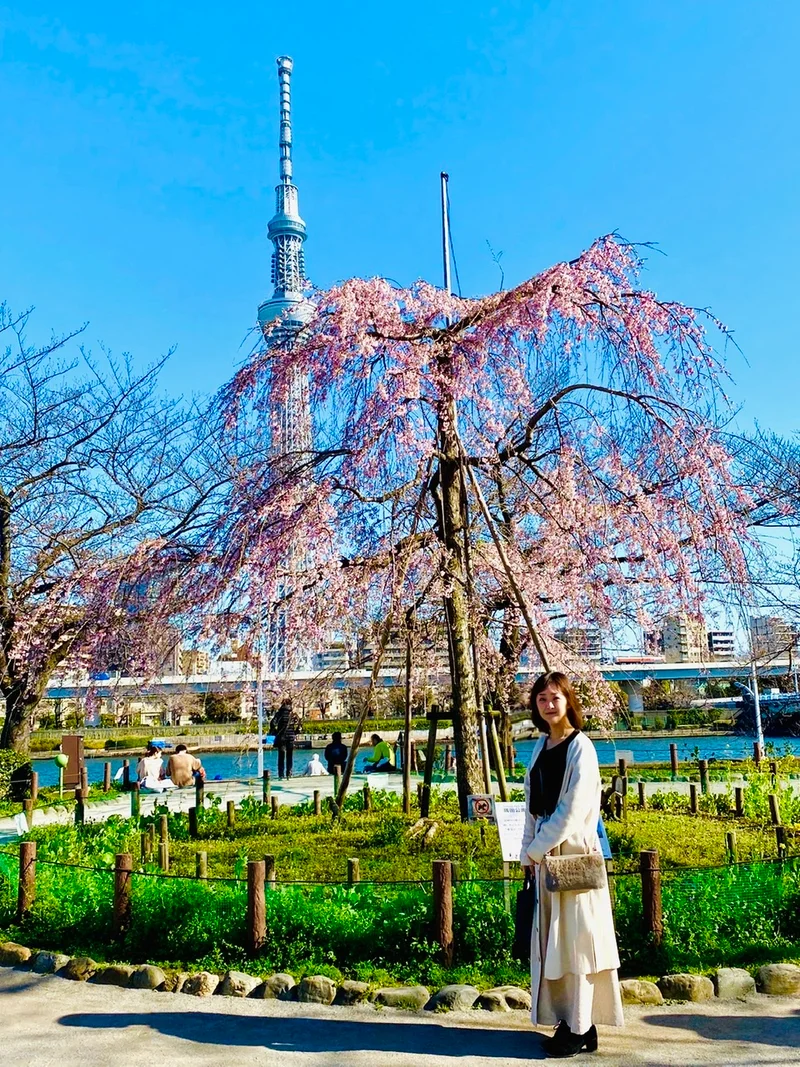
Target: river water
227,765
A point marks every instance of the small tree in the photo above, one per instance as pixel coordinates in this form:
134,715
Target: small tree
105,492
552,446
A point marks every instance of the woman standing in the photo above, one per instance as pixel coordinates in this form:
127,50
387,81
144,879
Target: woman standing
574,956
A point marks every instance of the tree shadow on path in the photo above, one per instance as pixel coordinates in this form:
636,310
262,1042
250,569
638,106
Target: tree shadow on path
323,1035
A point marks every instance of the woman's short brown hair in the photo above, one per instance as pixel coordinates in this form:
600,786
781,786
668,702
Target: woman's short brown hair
563,684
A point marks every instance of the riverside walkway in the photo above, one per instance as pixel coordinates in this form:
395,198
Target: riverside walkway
294,791
46,1020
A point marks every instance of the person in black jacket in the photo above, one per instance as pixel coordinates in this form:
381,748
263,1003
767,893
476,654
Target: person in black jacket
284,725
336,753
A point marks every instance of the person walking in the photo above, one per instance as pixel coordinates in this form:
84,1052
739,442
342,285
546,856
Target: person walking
574,958
284,725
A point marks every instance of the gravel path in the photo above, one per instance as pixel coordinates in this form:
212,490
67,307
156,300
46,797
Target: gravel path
46,1021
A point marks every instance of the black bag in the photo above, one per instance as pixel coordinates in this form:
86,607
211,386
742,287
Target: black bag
523,919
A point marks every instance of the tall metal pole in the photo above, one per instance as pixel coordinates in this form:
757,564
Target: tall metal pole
757,708
260,709
445,178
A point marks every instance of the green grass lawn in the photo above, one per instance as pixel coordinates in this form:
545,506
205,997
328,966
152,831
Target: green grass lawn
381,928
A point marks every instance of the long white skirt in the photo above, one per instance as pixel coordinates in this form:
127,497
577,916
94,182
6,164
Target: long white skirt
581,1000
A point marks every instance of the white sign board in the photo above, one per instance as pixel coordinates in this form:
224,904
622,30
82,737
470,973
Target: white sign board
510,826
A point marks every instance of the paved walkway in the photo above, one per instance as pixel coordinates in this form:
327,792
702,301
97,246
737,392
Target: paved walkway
295,791
47,1021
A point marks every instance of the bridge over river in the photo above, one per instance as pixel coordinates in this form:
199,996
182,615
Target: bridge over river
243,678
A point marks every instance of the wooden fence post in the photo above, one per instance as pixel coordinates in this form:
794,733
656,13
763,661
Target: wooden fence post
151,839
780,841
80,807
27,811
34,786
673,759
199,792
774,809
231,810
337,779
317,802
256,907
85,780
622,767
612,883
201,865
163,844
693,798
193,831
144,846
651,894
367,797
773,770
757,755
730,846
26,890
136,801
739,794
266,788
106,777
702,765
126,774
353,871
642,796
274,800
270,878
443,909
123,866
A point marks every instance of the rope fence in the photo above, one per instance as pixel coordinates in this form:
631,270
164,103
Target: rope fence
685,915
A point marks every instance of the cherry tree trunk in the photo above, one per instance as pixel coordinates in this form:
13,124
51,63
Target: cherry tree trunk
17,725
462,674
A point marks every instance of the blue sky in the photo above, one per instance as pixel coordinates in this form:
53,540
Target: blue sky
139,158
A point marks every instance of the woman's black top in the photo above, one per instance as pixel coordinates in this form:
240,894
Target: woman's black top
547,777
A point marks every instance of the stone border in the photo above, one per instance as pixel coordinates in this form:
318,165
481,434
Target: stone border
726,983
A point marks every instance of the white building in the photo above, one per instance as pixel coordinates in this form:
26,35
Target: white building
721,644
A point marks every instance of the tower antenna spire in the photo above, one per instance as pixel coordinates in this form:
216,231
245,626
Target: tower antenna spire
286,229
285,64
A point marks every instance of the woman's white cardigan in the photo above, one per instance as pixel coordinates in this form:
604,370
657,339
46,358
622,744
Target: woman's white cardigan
580,938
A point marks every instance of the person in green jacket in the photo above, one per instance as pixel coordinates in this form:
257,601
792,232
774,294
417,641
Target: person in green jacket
382,758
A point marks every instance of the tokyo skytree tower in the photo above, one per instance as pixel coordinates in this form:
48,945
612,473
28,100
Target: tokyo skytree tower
291,422
287,231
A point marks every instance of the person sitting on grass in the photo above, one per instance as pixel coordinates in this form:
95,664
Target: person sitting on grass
150,770
183,768
382,758
336,753
314,767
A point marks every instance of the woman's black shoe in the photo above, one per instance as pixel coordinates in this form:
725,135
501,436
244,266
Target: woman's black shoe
564,1043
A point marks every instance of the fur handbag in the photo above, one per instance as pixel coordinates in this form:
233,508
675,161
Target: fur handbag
575,874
